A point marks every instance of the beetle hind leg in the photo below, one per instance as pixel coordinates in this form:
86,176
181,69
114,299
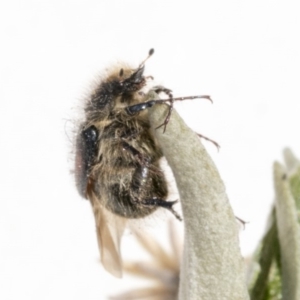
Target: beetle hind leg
160,203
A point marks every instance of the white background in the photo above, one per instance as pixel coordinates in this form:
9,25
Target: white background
245,54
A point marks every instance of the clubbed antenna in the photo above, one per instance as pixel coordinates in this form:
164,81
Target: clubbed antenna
150,53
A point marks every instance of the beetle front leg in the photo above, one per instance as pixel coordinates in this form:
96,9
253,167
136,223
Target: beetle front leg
136,108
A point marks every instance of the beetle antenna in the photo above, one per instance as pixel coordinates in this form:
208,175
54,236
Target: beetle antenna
150,53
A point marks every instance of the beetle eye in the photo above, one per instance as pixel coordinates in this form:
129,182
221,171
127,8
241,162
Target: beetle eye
90,134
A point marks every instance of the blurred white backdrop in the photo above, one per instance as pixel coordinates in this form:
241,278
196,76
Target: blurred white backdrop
245,54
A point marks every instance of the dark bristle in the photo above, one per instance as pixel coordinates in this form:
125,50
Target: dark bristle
151,51
121,73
